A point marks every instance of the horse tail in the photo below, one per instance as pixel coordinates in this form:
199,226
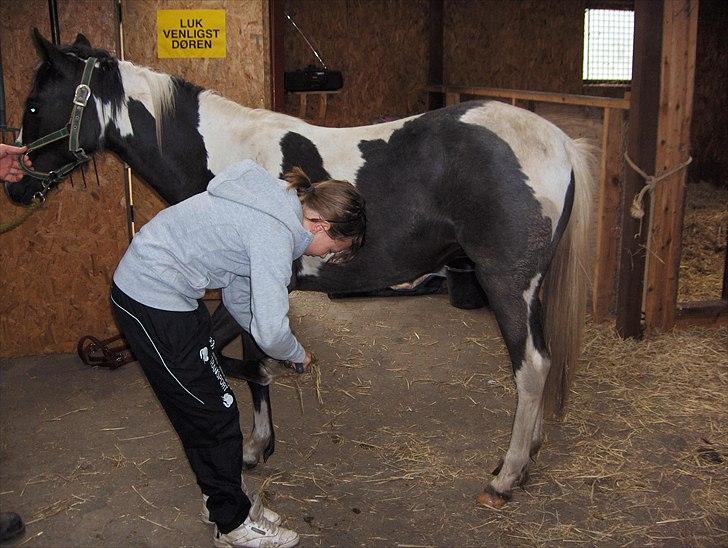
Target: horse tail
567,280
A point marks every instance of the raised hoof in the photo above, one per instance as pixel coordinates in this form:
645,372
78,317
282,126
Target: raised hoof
491,498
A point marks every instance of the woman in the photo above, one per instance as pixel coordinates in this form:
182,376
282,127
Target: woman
242,235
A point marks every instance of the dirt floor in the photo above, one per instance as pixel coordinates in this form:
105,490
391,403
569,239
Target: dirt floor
391,443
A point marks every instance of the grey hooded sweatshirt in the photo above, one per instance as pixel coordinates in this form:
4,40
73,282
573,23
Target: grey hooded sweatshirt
241,235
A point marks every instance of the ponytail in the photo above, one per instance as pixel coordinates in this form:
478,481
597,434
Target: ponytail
299,181
338,202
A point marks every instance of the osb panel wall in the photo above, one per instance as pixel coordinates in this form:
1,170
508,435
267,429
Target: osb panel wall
379,45
243,76
57,267
710,116
524,44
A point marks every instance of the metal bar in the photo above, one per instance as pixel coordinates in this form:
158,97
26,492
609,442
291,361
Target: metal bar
55,27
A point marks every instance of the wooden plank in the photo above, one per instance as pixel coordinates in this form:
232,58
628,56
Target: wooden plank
540,96
680,22
702,313
610,197
642,135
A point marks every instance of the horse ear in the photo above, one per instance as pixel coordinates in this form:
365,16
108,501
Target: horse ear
42,46
81,40
49,52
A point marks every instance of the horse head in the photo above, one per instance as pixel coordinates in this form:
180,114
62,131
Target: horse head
61,118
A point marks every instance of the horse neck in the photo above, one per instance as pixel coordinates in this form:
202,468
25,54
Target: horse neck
160,155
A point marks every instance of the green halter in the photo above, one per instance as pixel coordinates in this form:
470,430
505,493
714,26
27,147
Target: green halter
71,130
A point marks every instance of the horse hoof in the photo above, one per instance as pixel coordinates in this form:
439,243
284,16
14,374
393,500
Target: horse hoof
492,501
491,498
250,465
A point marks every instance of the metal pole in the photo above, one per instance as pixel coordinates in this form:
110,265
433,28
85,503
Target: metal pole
55,27
128,189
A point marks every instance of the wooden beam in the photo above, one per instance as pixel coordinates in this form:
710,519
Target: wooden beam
679,38
642,136
539,96
702,313
435,70
610,198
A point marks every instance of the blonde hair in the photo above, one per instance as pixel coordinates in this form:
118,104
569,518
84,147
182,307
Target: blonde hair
337,202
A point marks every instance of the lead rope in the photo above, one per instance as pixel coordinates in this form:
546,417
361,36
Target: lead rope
10,225
637,210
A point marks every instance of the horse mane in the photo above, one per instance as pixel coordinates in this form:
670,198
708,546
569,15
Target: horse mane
161,87
161,90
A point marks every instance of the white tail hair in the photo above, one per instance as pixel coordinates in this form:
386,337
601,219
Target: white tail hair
567,280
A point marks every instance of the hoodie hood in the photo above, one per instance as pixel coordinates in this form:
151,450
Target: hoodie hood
249,184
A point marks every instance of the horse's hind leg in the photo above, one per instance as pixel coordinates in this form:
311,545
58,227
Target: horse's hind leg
518,314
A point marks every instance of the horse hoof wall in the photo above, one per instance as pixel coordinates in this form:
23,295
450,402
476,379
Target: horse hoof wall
491,500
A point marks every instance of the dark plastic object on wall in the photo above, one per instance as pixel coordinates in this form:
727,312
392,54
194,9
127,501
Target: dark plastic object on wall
313,79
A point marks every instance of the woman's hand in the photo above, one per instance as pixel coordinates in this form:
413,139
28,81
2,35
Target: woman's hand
307,361
10,171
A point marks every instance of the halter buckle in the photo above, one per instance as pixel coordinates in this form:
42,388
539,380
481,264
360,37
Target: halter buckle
83,92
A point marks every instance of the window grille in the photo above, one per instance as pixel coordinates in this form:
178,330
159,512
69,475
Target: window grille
608,41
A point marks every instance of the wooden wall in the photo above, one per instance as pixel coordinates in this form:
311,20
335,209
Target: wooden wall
55,269
709,129
379,45
523,44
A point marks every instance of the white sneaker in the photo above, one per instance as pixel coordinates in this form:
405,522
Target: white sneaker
256,508
256,534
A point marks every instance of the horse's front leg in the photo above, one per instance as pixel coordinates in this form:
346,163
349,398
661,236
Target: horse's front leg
259,373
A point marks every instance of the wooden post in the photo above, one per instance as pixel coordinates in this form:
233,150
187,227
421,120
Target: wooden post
679,37
610,197
452,98
435,50
642,136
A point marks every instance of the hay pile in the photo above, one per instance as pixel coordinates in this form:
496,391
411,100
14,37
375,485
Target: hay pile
703,242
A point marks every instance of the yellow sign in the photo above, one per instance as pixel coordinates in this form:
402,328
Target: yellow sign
191,33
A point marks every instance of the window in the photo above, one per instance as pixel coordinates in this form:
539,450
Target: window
608,39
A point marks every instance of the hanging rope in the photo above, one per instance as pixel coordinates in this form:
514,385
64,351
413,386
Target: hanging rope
7,227
637,210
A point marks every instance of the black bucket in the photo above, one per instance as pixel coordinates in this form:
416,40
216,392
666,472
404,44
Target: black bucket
462,284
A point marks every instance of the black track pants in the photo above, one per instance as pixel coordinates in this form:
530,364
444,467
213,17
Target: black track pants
176,352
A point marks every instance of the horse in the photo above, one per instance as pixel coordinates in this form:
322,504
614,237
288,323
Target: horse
480,180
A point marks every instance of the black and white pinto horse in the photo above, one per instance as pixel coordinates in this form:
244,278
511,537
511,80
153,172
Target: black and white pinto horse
483,180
